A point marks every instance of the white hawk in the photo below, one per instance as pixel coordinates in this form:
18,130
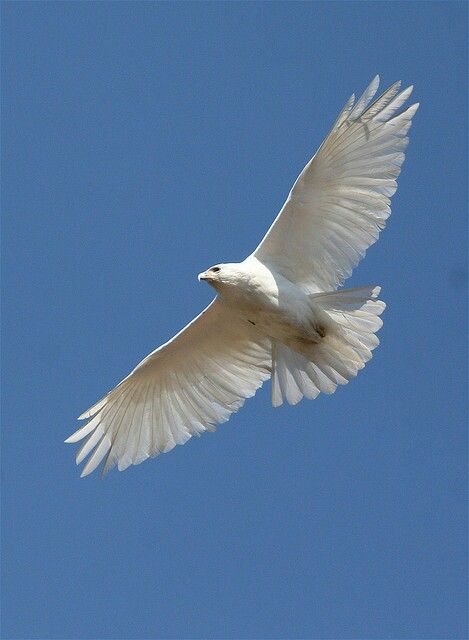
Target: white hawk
278,313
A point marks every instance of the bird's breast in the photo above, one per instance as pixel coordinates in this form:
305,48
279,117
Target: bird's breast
275,306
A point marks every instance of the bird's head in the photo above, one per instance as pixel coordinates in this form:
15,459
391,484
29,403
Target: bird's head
220,274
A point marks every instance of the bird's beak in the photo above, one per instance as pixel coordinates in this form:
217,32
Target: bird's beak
203,276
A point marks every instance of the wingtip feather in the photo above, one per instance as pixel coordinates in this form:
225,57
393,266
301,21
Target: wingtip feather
93,410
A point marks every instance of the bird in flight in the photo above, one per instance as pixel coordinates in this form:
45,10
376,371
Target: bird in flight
278,313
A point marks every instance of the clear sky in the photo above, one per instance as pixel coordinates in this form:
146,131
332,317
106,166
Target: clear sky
143,142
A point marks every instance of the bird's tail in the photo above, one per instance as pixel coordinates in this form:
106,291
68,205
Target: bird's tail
352,319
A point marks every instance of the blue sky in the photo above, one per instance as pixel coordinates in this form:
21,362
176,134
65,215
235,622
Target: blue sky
143,142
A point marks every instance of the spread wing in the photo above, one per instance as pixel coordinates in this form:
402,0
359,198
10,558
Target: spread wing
340,201
187,386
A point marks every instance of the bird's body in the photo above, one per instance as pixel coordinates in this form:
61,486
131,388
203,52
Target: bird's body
278,313
277,307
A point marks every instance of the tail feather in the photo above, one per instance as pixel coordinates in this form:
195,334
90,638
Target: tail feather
353,319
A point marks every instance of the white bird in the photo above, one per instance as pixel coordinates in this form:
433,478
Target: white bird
277,313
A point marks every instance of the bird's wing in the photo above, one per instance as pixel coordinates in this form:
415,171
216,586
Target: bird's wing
340,201
185,387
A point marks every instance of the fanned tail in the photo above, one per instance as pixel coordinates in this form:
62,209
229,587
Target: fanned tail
353,320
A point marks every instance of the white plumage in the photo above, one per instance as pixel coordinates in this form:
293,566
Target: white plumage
276,313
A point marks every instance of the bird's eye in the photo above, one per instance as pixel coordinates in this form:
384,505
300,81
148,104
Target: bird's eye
215,269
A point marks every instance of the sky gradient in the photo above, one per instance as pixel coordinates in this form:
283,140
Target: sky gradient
143,142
